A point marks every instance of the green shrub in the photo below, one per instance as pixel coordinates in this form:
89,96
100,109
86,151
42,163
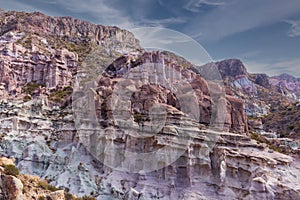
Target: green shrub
29,88
11,170
60,95
44,185
52,188
276,148
259,138
69,196
26,98
86,198
138,117
291,127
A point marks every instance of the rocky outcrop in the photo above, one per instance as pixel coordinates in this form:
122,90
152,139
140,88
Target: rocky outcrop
46,51
286,85
270,102
211,164
153,76
142,126
73,30
231,68
11,187
51,71
262,80
15,186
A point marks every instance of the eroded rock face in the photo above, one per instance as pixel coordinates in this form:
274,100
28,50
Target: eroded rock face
231,68
53,71
47,51
156,79
67,27
58,195
147,95
11,187
235,167
287,85
262,79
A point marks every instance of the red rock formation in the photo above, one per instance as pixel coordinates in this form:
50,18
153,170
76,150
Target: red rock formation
66,27
156,71
53,72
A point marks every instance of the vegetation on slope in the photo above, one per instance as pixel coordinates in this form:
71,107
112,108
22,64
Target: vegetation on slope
285,121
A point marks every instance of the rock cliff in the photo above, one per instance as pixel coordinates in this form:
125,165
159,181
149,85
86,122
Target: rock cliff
84,107
17,186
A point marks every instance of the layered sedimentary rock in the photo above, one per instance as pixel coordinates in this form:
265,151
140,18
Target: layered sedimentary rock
55,70
287,85
74,30
270,103
142,126
48,50
212,164
17,186
196,96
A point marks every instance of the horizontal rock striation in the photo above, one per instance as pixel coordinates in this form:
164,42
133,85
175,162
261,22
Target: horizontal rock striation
166,79
74,30
141,125
45,142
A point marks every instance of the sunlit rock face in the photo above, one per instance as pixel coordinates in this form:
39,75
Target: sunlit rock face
91,129
287,85
235,167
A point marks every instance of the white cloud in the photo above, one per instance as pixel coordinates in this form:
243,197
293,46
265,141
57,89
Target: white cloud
101,12
162,22
285,66
251,54
239,16
170,40
22,6
196,5
98,9
295,28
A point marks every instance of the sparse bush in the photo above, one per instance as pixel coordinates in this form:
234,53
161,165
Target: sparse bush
29,88
69,196
291,127
45,185
60,95
26,98
138,117
52,188
259,138
86,198
25,189
11,170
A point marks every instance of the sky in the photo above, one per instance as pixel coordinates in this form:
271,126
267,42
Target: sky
264,34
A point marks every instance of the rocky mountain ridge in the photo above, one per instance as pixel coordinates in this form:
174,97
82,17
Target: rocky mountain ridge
50,110
271,103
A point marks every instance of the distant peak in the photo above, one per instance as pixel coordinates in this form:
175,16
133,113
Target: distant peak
67,28
236,60
285,76
231,67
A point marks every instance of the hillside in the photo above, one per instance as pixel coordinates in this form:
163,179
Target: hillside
86,108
